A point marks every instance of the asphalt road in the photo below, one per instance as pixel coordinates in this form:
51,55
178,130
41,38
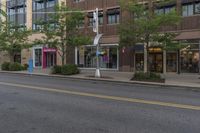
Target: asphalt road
37,104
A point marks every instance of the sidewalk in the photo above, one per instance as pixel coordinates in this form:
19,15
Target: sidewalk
172,79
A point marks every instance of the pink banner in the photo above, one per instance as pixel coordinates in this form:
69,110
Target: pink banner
49,50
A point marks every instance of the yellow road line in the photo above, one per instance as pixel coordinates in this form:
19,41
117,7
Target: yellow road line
132,100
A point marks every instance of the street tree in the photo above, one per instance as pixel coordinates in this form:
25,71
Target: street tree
66,35
13,39
144,26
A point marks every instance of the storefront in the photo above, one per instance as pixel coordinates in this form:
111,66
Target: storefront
109,58
44,57
189,59
155,60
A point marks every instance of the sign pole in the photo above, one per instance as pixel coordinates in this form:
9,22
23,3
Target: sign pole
96,19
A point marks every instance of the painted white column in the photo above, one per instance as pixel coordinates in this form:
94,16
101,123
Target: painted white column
29,15
3,7
76,56
60,2
145,58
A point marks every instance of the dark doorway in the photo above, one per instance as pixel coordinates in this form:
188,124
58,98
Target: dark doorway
155,62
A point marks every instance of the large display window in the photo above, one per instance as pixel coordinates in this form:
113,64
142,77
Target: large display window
190,61
171,62
86,57
37,57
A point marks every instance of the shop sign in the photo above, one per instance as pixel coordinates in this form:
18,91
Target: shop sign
49,50
155,50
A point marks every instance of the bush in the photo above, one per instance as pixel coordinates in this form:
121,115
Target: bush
25,66
56,69
149,76
69,69
15,67
5,66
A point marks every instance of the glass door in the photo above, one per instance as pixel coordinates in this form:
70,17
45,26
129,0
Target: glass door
38,57
156,62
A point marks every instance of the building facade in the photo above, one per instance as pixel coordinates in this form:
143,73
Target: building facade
24,13
130,58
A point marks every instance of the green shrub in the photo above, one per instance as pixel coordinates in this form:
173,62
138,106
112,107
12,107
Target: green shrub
25,66
147,76
15,67
69,69
5,66
56,69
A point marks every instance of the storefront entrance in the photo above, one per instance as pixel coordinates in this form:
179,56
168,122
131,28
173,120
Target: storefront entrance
50,59
155,63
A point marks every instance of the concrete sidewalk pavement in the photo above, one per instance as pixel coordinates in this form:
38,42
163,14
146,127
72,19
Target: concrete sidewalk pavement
172,79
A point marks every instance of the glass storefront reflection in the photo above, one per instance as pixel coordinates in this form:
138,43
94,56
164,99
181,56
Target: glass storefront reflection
171,62
139,61
189,61
155,62
86,57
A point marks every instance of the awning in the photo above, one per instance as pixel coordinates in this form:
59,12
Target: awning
189,35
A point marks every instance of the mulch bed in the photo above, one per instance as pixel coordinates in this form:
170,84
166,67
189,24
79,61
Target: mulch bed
102,77
150,80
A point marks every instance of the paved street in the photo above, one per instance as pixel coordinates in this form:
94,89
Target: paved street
40,104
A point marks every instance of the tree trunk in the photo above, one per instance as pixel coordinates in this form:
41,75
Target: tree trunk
178,62
145,58
63,59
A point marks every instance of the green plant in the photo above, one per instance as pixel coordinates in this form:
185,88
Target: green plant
69,69
56,69
147,76
25,67
15,67
5,66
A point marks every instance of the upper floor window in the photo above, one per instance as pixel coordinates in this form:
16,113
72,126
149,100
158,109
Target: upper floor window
76,1
187,9
90,18
164,10
197,8
113,16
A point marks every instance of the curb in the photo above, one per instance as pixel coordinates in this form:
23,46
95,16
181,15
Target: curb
194,88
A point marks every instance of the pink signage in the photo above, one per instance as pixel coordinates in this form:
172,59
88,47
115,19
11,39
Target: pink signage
49,50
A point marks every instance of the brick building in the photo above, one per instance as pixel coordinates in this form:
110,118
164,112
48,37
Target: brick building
123,59
110,16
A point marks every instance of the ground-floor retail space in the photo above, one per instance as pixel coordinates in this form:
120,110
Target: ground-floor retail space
186,60
85,56
44,57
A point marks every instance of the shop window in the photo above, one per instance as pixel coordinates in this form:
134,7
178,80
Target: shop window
171,62
188,10
86,57
189,59
113,16
38,57
139,61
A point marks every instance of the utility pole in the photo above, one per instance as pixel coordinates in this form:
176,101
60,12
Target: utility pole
96,41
